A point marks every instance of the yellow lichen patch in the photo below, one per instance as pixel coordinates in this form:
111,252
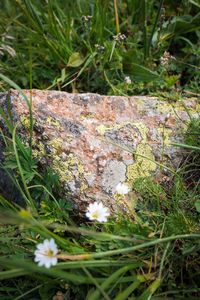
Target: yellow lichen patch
53,122
84,186
140,126
25,121
68,139
190,109
102,129
144,158
197,107
69,169
140,105
56,146
38,149
144,163
175,107
167,108
87,116
62,169
142,129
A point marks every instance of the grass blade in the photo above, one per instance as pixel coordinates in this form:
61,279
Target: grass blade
110,280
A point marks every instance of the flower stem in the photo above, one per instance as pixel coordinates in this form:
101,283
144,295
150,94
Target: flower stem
128,249
116,16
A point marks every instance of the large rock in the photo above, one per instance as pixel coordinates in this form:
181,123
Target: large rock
94,142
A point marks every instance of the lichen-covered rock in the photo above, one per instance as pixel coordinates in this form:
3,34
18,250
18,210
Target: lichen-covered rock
94,142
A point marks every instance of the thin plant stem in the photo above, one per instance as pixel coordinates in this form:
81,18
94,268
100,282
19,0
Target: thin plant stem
145,245
46,190
30,100
29,292
163,259
154,27
116,16
100,289
29,198
144,29
129,249
106,236
186,146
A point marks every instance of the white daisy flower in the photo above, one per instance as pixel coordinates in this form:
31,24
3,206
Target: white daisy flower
46,252
122,189
96,211
127,80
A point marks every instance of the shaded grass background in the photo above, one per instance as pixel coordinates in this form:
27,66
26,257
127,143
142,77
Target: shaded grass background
59,41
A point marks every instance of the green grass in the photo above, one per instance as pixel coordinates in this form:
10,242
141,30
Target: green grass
69,45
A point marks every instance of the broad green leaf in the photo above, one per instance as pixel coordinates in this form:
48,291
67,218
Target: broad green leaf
75,60
180,26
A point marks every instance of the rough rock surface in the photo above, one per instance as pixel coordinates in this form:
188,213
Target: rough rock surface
94,142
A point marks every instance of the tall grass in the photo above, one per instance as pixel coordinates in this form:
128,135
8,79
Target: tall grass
71,44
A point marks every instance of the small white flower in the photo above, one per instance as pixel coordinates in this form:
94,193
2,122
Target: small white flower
99,48
166,59
119,37
96,211
127,80
46,252
122,189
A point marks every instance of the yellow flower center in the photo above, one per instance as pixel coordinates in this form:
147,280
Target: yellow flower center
49,253
95,215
